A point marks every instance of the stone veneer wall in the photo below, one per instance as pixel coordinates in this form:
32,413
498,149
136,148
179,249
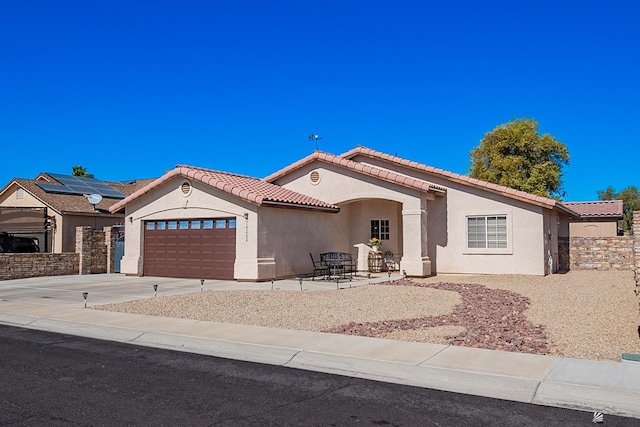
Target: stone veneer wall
21,266
636,235
607,253
636,250
96,249
95,253
601,253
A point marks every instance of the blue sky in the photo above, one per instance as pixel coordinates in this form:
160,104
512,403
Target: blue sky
129,89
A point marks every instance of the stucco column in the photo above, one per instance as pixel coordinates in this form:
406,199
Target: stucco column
249,264
415,259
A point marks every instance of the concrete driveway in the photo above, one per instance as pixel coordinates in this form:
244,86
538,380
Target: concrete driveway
67,291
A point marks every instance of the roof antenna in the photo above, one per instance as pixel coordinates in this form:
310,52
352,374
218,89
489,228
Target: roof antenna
315,137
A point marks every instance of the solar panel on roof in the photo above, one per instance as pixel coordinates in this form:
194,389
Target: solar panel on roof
55,189
82,186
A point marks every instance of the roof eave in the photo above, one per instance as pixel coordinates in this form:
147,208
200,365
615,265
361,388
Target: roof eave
604,216
276,204
454,177
93,214
566,210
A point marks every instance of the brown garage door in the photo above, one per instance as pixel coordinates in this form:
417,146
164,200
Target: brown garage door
196,248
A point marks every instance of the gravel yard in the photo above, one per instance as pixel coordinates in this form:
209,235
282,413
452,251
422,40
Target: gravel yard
581,314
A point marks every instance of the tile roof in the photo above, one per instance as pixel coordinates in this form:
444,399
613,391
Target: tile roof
253,190
462,179
598,209
72,203
370,170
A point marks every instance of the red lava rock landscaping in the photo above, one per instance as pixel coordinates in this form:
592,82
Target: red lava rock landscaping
493,319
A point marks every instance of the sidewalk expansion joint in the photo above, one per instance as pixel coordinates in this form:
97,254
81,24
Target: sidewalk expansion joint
534,396
139,336
433,355
292,357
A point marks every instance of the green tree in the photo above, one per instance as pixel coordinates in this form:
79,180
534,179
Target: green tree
630,201
515,155
81,172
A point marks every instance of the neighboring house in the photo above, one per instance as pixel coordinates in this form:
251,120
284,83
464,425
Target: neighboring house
51,206
195,222
596,219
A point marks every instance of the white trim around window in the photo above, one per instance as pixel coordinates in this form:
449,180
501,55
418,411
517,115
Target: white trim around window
488,234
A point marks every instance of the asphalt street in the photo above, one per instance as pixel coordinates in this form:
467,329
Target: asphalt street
55,380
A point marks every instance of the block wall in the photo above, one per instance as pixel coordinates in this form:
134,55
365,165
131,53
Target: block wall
95,253
21,266
602,253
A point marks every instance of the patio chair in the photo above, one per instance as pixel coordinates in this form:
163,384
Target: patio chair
318,266
389,261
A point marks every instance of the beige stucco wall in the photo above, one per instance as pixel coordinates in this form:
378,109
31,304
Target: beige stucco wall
338,185
594,229
362,199
168,202
288,236
359,215
10,198
446,229
525,248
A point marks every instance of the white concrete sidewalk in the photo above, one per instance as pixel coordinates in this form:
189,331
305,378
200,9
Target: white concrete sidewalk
55,304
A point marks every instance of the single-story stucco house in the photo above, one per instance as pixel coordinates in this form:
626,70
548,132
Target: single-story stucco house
201,223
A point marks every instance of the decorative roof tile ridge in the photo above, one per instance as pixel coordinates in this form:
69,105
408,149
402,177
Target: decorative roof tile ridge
293,166
207,171
356,150
453,175
405,179
539,198
371,170
593,202
251,189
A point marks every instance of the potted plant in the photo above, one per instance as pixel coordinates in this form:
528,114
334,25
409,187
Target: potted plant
375,244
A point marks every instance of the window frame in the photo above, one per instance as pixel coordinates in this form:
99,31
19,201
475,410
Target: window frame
507,235
380,229
190,224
